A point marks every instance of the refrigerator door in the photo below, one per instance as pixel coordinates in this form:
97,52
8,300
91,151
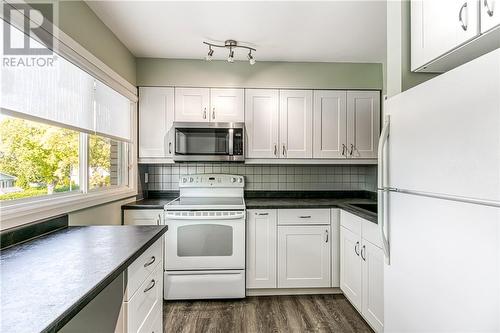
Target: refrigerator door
445,133
444,273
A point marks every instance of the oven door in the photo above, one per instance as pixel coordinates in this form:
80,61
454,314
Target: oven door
205,240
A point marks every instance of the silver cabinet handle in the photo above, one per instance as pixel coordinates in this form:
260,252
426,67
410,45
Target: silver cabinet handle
356,249
363,251
326,233
464,25
151,285
489,10
305,217
344,148
213,113
205,113
284,150
262,214
170,147
149,263
158,220
276,150
352,150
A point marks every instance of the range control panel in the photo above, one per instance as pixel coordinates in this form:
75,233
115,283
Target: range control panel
211,180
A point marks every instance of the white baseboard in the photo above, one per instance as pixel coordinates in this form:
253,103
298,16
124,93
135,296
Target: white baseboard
292,291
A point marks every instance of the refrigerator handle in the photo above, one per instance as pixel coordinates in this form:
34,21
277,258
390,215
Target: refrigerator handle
384,135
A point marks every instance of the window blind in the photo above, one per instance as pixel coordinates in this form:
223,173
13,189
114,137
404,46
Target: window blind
65,95
113,113
61,93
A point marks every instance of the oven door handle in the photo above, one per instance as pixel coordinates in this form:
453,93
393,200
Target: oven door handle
204,218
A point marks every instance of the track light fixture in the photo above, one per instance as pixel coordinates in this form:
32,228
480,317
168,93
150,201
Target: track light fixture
231,45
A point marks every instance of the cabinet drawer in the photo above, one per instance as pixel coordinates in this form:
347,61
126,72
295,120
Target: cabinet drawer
351,222
143,216
142,267
303,216
145,300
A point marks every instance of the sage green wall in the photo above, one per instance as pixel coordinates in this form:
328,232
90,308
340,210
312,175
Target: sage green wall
264,74
78,21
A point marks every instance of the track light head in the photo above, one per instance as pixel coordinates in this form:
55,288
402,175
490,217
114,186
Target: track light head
231,56
251,59
210,54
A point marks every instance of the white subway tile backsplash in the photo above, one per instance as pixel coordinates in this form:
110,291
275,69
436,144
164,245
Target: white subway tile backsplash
270,177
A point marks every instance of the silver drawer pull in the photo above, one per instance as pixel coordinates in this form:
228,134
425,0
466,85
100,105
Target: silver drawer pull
262,214
153,282
149,263
305,217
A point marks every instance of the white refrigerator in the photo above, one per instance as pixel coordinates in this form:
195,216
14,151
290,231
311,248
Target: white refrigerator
439,202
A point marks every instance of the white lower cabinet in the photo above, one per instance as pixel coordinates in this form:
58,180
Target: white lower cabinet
261,248
362,269
143,293
350,266
143,216
373,285
303,256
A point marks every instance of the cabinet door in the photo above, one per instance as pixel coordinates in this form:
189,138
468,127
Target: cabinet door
261,123
143,216
373,285
191,104
350,266
156,115
261,249
437,27
295,124
490,14
335,239
303,256
363,123
227,105
330,121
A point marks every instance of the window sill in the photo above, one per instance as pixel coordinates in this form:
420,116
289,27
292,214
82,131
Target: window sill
13,215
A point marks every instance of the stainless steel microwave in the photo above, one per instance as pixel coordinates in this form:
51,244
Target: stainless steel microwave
209,141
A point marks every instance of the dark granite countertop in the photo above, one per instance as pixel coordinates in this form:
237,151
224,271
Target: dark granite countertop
46,281
284,203
282,199
156,200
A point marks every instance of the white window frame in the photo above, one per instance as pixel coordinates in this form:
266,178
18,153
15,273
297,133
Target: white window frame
19,212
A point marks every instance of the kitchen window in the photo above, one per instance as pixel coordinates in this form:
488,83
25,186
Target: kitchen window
66,140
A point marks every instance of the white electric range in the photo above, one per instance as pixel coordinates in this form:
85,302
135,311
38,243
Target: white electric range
205,243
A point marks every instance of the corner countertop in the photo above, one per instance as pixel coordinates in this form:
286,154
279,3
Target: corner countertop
46,281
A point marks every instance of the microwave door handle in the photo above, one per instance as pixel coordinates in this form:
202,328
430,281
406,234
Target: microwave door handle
231,142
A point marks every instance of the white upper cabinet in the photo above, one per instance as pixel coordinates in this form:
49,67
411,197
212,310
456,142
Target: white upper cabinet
490,14
363,123
156,115
296,123
438,27
304,256
261,249
262,123
192,104
227,105
330,120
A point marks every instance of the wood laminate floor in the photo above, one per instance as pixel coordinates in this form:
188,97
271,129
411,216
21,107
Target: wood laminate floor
305,313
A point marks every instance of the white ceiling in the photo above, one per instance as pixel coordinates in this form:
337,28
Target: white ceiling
328,31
